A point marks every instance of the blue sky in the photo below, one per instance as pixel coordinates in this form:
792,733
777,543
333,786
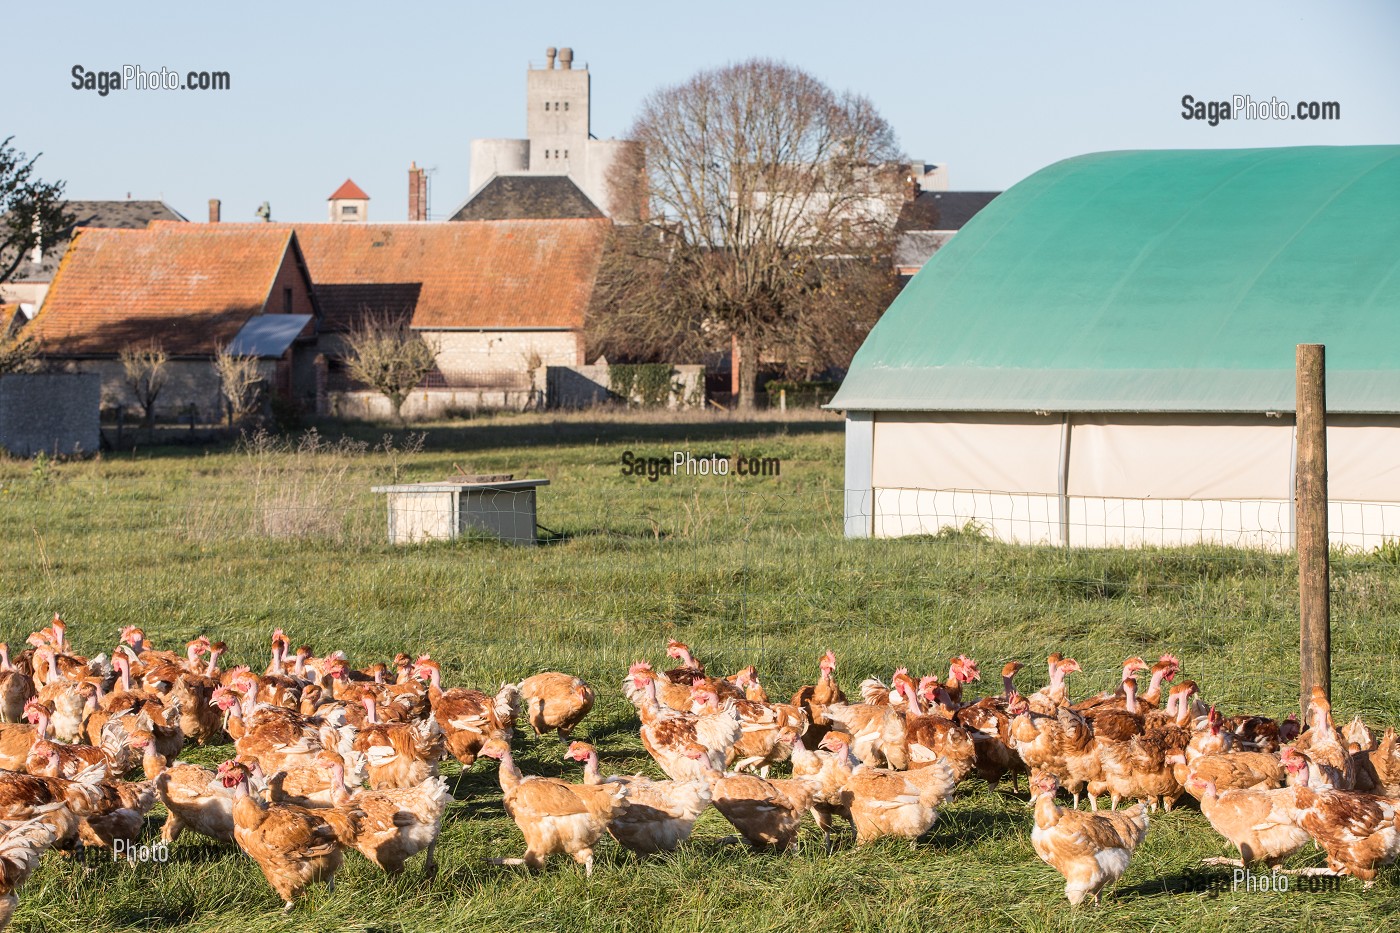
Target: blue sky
321,92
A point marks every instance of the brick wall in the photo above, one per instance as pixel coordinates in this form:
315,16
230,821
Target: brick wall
53,412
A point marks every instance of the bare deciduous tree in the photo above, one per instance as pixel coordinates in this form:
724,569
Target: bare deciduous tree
389,357
145,369
31,211
759,185
240,381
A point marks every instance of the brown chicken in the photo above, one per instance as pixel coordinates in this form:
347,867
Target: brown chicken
399,754
196,799
988,724
293,846
16,687
889,803
767,813
1236,771
674,696
831,799
656,816
20,850
1358,831
554,816
1091,850
815,698
666,732
467,718
1260,822
398,823
1329,760
555,702
118,814
1052,696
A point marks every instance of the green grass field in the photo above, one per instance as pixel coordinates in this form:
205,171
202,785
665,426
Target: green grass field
236,541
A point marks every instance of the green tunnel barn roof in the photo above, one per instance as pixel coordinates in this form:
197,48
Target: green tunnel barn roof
1155,281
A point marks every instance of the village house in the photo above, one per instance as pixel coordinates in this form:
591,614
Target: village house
190,289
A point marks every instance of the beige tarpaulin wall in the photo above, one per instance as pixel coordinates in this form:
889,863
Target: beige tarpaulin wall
1141,457
1130,479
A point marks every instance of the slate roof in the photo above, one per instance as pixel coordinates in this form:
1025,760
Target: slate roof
942,210
504,274
349,191
532,197
114,215
189,286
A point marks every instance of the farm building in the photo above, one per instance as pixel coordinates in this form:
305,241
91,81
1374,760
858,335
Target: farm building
1105,355
190,289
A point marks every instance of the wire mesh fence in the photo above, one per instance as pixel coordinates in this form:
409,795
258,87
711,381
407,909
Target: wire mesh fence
753,570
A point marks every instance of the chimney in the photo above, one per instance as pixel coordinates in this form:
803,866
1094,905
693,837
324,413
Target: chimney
566,58
213,210
549,56
417,193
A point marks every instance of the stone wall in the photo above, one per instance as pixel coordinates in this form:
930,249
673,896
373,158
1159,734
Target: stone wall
52,412
582,386
188,382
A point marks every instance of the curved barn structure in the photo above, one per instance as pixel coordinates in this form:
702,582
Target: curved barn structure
1105,354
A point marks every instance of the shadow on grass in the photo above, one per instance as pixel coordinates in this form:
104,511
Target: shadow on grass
563,431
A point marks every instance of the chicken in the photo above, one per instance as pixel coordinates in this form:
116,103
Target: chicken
194,798
555,702
118,814
671,695
689,673
767,813
889,803
1383,765
1131,668
25,796
293,846
20,850
16,739
274,737
823,769
656,816
554,816
933,737
988,724
961,670
1053,695
1142,767
1321,744
1260,822
199,719
1091,850
877,729
311,785
1240,770
399,754
1063,745
16,687
667,732
398,823
467,718
815,698
761,728
1358,831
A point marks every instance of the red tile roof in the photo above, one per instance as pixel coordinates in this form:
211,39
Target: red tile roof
189,286
503,274
349,190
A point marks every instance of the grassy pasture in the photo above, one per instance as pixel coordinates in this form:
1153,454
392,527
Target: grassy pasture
236,541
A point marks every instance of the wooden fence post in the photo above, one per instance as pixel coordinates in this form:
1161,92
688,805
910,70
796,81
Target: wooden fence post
1314,579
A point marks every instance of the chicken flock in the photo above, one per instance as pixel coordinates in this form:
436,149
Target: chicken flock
329,758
